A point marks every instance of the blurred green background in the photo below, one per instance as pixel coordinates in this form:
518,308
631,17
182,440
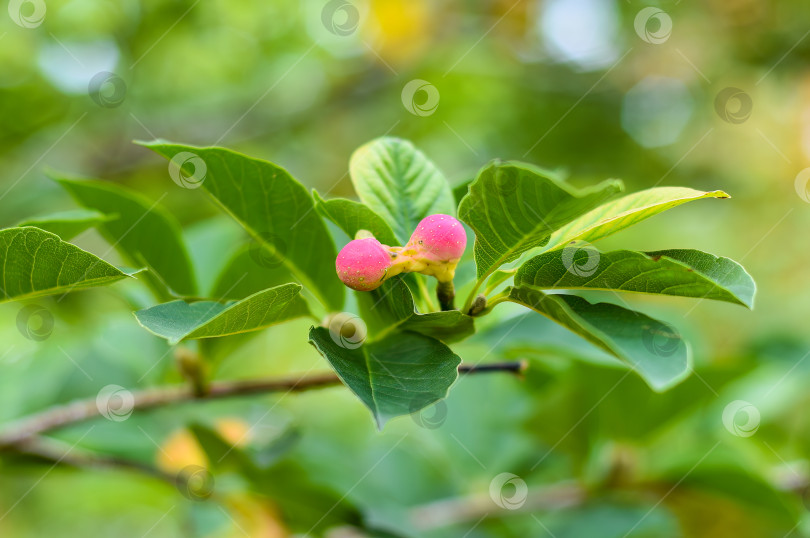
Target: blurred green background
596,88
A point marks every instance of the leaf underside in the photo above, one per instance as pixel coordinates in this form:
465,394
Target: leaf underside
653,349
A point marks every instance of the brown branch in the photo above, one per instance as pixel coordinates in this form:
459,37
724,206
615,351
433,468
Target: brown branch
58,453
82,410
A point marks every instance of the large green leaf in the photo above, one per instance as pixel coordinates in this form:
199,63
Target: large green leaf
652,348
141,230
35,262
687,273
179,320
352,216
400,184
67,224
275,209
391,307
628,210
397,375
513,207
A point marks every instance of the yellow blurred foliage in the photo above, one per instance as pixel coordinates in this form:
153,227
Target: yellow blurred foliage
400,29
181,448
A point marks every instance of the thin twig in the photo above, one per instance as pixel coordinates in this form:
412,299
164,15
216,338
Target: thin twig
52,450
81,410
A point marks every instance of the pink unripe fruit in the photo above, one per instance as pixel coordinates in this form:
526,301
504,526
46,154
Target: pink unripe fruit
362,264
439,238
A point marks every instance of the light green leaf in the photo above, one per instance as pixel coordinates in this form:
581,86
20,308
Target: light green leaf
141,230
398,375
400,184
179,320
274,208
35,263
618,214
513,207
687,273
652,348
391,307
67,224
352,216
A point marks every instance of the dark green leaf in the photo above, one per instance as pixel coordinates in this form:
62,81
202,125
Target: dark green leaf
652,348
390,307
513,207
687,273
397,375
275,209
179,320
400,184
141,230
35,262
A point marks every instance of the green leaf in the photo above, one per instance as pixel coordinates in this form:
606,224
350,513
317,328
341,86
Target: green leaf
513,207
391,307
618,214
652,348
141,230
400,184
686,273
249,270
179,320
397,375
274,208
67,224
352,216
35,263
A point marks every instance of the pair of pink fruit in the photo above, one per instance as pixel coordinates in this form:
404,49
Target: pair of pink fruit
434,249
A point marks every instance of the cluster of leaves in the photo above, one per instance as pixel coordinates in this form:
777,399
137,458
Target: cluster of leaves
533,235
